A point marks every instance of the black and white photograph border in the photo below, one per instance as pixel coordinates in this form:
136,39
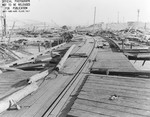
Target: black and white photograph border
74,58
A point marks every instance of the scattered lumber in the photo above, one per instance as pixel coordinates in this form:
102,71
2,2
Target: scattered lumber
33,57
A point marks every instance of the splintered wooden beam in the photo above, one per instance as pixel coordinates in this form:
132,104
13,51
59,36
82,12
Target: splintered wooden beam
12,99
136,50
43,74
64,58
3,69
38,76
9,68
144,56
31,66
108,71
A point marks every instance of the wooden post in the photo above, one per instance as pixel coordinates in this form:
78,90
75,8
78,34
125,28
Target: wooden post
50,44
58,41
1,72
39,47
131,46
11,32
122,44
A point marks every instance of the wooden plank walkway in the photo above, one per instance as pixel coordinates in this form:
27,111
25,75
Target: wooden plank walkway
95,98
113,61
112,96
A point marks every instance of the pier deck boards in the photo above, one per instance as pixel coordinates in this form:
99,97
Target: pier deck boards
113,61
94,98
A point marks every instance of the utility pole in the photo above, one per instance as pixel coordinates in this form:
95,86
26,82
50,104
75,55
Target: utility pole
10,33
145,26
3,22
118,17
94,18
138,15
44,25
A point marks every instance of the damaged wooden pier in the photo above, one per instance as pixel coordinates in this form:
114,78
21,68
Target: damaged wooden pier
92,82
111,95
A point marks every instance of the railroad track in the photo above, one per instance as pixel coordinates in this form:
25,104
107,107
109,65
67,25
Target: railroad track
55,107
49,99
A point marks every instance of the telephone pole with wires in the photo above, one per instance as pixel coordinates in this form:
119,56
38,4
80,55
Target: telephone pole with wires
118,17
3,21
94,18
138,15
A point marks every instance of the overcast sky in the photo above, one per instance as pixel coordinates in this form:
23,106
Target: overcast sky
80,12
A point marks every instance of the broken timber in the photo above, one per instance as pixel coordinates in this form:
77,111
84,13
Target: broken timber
43,74
12,99
32,57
